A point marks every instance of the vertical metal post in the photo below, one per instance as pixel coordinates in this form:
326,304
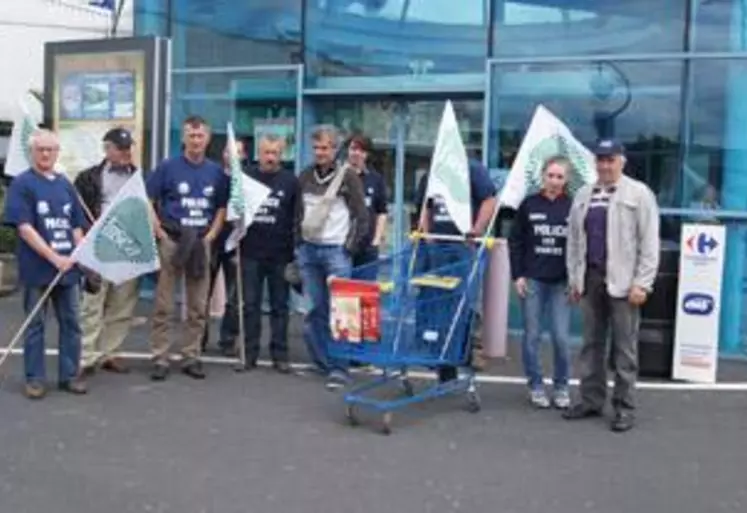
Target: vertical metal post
400,124
300,135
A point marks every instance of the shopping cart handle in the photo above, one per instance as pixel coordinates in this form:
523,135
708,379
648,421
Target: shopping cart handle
417,235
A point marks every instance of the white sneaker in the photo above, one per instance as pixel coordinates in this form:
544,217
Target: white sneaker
561,399
539,399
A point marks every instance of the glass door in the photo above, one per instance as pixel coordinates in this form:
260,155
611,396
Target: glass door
258,100
404,136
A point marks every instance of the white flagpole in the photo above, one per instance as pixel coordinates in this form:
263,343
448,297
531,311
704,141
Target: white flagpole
34,311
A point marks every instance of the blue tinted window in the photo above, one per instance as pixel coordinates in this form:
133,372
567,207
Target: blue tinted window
211,33
422,40
719,25
151,18
578,27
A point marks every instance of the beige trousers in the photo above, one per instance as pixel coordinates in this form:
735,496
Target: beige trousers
105,319
196,298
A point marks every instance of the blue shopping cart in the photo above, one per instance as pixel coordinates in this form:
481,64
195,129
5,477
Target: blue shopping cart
422,317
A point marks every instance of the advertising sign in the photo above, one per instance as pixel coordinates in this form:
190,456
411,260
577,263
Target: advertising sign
93,86
699,303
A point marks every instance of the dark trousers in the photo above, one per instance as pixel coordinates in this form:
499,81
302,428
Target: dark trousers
364,263
229,326
605,316
434,257
255,275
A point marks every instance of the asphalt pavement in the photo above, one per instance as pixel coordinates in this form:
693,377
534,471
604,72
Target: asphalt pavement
265,443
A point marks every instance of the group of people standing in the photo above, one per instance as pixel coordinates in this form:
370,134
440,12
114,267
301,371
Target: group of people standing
324,221
600,249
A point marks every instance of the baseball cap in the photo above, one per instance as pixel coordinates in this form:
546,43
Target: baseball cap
119,137
608,148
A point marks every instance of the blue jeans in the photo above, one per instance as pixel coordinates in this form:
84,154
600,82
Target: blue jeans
550,298
64,300
317,263
255,274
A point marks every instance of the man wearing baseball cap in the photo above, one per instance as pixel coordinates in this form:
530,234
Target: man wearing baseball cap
612,258
106,309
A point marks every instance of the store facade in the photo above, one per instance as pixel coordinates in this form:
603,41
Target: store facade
669,79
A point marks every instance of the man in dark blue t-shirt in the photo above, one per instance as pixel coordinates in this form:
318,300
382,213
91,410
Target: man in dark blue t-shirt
435,218
266,250
375,193
189,193
43,206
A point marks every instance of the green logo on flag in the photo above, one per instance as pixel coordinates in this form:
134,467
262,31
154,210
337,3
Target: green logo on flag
555,146
125,236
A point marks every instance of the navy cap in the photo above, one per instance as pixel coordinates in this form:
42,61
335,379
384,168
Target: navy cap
608,148
119,137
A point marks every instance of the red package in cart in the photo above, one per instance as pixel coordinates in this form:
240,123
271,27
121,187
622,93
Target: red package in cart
355,310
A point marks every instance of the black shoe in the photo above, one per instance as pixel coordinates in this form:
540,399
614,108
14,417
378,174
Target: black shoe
194,370
282,367
580,412
160,372
623,421
227,351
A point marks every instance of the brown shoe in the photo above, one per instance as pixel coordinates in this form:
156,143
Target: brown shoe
75,386
88,371
35,391
115,365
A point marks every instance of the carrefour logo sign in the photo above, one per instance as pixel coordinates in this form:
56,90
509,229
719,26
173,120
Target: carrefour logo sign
698,304
702,244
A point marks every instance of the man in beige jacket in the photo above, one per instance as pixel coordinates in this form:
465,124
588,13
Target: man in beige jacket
612,259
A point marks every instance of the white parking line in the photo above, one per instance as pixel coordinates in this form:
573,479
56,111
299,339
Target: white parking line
481,378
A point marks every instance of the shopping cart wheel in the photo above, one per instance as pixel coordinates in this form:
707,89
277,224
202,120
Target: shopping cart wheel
386,423
473,402
351,416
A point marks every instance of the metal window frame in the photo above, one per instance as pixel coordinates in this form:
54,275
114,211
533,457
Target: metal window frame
723,215
297,69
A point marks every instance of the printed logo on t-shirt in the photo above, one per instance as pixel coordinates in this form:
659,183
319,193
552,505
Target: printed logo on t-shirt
267,213
183,188
208,191
550,237
441,213
369,197
67,209
42,208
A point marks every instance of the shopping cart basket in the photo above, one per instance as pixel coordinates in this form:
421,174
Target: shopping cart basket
416,312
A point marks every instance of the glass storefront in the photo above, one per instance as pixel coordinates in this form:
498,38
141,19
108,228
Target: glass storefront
667,78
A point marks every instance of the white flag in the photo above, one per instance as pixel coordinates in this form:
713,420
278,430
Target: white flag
546,137
27,120
24,125
245,198
449,173
121,246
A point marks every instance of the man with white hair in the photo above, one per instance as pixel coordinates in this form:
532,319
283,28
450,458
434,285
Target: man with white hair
106,311
612,259
43,207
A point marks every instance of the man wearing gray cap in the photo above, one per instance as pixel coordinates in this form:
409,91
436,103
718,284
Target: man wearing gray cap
612,258
106,309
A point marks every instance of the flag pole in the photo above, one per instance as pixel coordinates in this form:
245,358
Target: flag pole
240,295
34,311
